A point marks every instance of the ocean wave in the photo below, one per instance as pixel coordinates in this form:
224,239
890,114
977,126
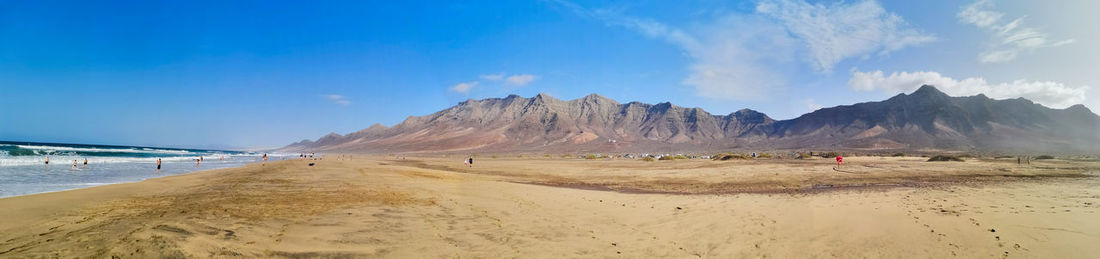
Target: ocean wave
25,154
23,149
67,160
47,150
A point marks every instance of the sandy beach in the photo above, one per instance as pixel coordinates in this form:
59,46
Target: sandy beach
552,207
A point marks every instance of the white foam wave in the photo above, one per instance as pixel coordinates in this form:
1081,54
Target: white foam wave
68,160
63,160
120,150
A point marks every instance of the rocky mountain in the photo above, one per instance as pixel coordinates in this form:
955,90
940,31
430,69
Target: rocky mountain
925,119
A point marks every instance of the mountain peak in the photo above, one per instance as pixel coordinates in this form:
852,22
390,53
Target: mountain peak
750,116
543,97
377,126
746,111
927,90
594,96
595,99
1079,108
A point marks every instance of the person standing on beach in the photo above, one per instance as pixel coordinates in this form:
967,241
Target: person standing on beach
839,161
471,162
265,159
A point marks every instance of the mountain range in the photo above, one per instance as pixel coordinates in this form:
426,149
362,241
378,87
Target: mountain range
926,119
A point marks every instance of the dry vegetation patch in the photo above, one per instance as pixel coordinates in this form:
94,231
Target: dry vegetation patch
945,158
725,157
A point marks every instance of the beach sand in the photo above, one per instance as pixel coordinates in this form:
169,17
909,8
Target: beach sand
421,207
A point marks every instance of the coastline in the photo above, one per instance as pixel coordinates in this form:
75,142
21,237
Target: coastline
377,206
88,196
145,178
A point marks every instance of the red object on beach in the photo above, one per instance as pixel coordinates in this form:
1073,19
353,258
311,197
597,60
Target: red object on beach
839,159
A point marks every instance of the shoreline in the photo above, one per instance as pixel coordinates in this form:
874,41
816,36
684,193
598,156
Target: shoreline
98,184
94,185
76,198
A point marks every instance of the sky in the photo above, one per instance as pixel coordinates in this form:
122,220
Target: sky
257,74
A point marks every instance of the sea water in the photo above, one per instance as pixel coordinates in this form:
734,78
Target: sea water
23,169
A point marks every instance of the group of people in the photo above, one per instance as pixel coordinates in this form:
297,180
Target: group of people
74,163
197,161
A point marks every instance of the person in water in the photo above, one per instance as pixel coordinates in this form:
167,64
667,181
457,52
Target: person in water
158,164
85,162
47,160
74,164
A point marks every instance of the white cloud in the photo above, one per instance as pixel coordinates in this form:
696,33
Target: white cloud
1011,39
835,32
515,80
1052,94
743,57
464,87
338,99
492,77
520,80
738,58
813,105
724,64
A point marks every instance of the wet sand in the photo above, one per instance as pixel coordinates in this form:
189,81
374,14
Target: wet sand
552,207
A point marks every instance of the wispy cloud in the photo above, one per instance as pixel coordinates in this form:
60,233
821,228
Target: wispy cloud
520,80
741,57
1053,94
813,105
1011,39
492,77
724,65
515,80
338,99
838,31
464,87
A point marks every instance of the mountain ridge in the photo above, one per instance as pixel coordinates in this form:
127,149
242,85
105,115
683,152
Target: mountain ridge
924,119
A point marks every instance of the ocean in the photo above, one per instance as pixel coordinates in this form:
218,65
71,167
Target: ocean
23,169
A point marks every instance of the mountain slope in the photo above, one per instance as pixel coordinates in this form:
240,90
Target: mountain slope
927,118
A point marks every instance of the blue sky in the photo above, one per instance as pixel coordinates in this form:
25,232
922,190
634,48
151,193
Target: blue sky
265,73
